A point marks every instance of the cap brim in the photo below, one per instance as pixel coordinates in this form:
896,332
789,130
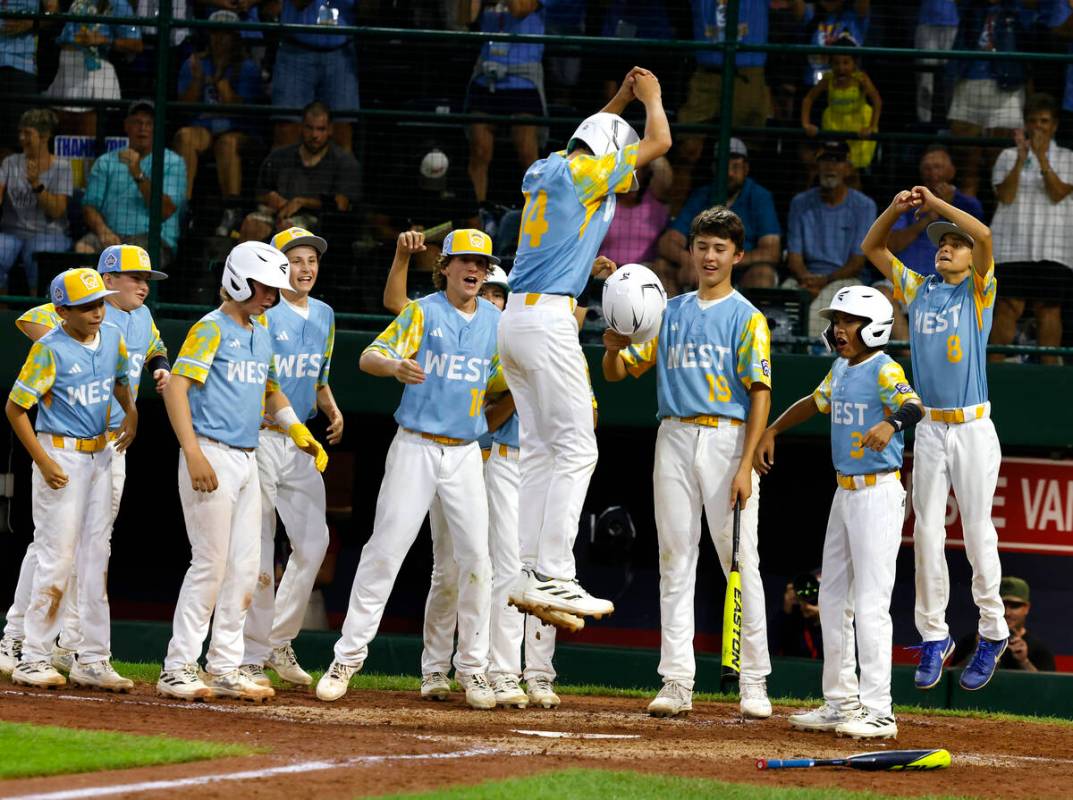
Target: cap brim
317,243
93,298
937,230
492,259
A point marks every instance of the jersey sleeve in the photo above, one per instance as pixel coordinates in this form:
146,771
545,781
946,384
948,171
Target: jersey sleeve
198,351
156,345
402,338
122,364
894,388
906,282
497,381
822,394
36,377
984,289
595,177
326,364
754,354
39,315
639,358
272,383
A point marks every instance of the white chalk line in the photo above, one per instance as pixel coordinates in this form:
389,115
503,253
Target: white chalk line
573,735
252,774
988,759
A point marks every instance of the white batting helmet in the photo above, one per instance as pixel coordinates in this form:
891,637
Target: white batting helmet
634,301
497,277
604,133
254,261
866,302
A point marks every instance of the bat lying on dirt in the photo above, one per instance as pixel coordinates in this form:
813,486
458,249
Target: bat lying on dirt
890,760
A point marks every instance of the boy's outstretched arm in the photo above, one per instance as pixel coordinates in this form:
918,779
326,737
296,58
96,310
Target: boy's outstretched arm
801,411
875,241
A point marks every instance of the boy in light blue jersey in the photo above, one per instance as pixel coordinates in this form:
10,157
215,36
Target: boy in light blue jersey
126,271
569,205
74,374
950,316
302,330
870,403
443,348
223,383
713,379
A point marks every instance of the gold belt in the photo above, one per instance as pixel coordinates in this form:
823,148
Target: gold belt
708,420
850,481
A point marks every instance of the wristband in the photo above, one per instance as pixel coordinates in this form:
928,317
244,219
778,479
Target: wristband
158,362
905,417
285,417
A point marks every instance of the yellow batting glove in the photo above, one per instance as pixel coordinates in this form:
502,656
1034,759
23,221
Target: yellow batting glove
301,436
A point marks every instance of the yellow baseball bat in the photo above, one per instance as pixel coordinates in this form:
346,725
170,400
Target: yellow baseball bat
732,609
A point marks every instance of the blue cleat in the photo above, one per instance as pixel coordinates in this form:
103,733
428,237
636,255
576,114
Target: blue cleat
932,657
983,664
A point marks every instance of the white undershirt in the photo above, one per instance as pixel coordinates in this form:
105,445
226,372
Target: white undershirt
706,304
467,317
92,346
302,311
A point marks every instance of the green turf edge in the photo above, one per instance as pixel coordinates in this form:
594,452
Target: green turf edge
148,673
592,784
31,750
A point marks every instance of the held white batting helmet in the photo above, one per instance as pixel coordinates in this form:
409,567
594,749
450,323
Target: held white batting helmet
866,302
497,277
254,261
604,133
634,301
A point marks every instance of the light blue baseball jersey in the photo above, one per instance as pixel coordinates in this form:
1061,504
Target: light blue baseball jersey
858,397
72,383
139,333
507,433
234,370
569,205
948,330
708,358
460,361
302,349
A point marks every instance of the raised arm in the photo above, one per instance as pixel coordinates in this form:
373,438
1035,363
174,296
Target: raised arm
982,255
395,294
876,244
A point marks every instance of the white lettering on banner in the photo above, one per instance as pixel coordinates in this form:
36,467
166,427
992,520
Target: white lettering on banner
842,413
300,365
454,367
1045,505
696,356
247,371
937,322
89,394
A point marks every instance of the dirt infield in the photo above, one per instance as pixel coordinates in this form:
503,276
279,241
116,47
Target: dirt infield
384,742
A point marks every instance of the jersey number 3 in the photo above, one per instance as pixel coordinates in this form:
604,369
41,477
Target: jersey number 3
533,223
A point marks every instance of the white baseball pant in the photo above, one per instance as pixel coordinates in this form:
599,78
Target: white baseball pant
548,377
860,550
416,471
291,485
224,528
70,636
967,457
72,530
694,467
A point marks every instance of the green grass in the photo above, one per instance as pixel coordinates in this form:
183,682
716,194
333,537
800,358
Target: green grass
586,784
34,750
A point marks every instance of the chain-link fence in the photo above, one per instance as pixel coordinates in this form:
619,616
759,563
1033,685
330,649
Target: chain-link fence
426,114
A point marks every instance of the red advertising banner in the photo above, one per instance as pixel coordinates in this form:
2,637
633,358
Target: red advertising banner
1033,508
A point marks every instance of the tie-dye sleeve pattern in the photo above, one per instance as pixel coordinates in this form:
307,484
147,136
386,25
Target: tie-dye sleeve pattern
595,177
754,354
894,388
40,315
122,364
906,282
497,381
272,384
639,358
36,377
822,395
326,364
984,289
156,345
402,338
199,349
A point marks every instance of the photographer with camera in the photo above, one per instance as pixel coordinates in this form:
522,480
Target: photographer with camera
796,625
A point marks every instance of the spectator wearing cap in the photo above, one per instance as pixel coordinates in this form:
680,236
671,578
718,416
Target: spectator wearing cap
35,187
796,625
118,193
84,69
826,227
640,217
1032,230
750,201
224,73
1024,651
18,65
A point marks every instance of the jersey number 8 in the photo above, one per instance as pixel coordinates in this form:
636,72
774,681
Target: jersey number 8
953,349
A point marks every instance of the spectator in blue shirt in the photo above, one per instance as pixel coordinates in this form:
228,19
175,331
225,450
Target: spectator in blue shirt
826,227
825,22
116,203
222,74
750,201
937,26
316,66
18,66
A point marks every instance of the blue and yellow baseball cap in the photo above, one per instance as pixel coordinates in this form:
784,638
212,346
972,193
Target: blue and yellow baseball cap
469,241
128,258
296,237
77,287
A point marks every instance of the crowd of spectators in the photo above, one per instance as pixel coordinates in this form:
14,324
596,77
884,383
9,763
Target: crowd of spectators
805,170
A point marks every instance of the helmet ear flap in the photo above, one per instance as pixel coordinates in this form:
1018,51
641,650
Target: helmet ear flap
828,337
238,289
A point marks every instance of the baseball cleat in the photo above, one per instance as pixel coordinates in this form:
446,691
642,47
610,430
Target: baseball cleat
435,686
983,664
237,685
256,673
479,694
62,658
99,675
535,594
541,692
10,653
39,674
183,684
333,683
675,699
866,724
284,662
508,692
754,703
825,718
933,656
